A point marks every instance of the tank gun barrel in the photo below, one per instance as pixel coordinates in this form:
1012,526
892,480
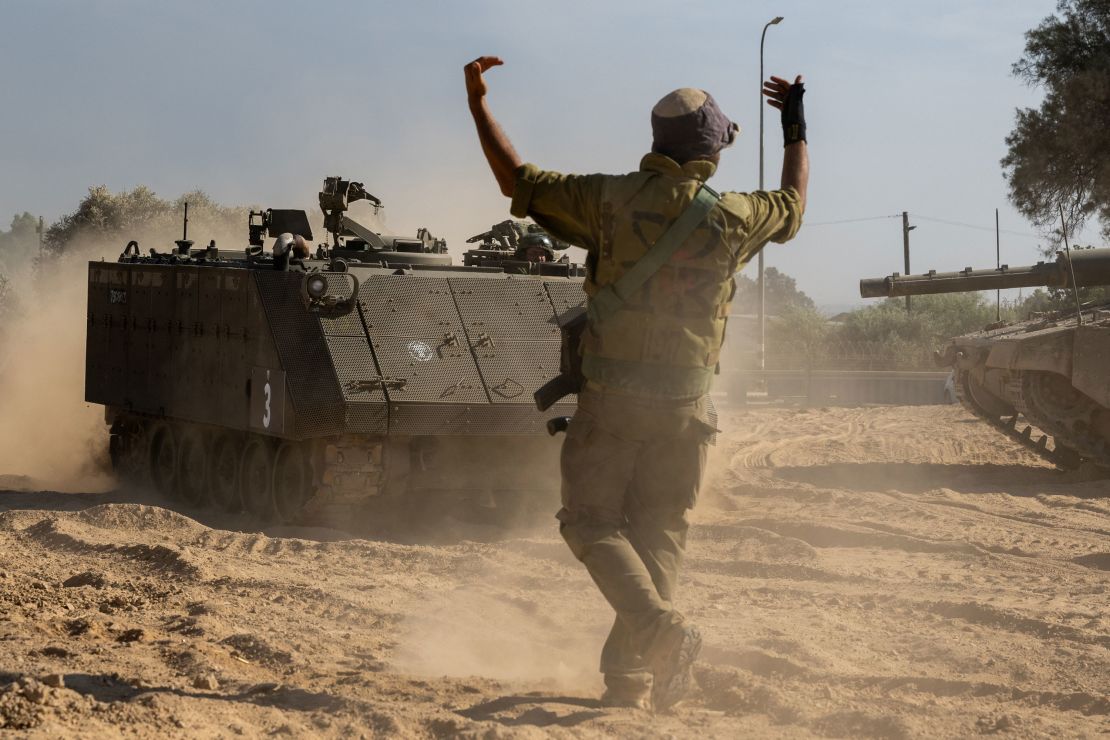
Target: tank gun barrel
1092,267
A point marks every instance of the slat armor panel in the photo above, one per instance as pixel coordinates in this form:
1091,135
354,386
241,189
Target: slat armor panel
503,308
408,306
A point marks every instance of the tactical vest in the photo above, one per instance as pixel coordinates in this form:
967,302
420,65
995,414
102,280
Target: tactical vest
666,339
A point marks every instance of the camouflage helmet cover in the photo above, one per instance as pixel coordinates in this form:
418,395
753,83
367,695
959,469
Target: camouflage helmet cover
686,124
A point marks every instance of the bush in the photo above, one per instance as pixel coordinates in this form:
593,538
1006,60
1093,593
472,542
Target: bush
881,336
932,320
140,214
781,289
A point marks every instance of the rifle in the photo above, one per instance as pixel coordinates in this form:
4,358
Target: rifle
570,378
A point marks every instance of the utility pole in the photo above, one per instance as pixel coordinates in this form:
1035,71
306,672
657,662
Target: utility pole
906,229
998,266
40,232
762,284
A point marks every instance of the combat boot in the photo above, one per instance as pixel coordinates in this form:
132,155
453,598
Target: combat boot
627,690
673,659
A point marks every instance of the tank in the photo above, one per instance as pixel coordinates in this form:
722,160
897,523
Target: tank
310,389
1045,381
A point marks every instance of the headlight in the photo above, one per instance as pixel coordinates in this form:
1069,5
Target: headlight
334,294
316,287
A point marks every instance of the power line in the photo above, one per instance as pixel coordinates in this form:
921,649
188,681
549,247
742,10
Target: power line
853,220
973,226
945,221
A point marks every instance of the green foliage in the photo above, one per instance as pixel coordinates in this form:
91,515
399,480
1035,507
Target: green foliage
798,334
933,319
140,214
782,294
19,245
1057,299
1059,153
1041,300
881,336
7,300
801,325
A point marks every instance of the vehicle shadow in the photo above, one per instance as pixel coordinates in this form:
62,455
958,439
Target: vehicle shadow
1016,480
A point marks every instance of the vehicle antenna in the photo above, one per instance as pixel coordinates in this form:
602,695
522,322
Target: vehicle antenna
183,243
1071,269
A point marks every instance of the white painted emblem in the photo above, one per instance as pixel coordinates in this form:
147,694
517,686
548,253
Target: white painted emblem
420,351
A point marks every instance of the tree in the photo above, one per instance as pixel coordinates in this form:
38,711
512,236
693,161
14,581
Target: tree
1057,299
893,337
934,319
782,294
7,300
19,245
140,214
799,330
1059,153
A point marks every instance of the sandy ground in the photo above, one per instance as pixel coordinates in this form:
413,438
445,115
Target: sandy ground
885,572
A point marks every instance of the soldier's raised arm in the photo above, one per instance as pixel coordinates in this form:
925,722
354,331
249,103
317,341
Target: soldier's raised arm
787,98
499,151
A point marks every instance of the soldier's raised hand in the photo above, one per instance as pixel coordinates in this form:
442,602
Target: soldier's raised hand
788,99
776,89
475,85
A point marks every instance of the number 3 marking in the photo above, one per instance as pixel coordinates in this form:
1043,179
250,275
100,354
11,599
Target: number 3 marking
266,412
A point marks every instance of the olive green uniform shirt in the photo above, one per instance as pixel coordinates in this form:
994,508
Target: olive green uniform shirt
666,339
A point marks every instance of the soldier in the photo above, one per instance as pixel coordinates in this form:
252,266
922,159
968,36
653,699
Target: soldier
294,246
634,454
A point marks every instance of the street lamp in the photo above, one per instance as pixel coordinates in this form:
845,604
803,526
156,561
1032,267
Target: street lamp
762,286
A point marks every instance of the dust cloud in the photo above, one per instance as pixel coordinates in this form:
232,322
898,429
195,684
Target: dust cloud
502,631
493,622
49,437
48,434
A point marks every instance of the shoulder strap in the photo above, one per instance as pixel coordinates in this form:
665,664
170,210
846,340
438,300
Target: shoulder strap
608,300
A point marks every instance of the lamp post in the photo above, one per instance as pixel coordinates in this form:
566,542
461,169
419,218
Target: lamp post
762,285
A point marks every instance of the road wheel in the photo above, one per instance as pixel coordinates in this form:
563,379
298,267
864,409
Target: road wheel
292,481
128,447
256,474
192,468
163,458
223,486
978,399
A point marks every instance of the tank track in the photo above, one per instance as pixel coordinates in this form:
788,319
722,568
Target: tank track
350,482
1009,427
351,477
308,482
1085,446
1068,451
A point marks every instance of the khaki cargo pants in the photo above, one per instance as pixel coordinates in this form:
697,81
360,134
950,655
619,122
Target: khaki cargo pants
631,468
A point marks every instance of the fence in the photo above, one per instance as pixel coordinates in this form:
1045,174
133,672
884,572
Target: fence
836,374
839,355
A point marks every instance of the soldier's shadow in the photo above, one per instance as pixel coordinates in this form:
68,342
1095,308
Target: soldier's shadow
535,710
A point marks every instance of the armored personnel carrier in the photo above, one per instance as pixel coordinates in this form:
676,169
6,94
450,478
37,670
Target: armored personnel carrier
302,384
1045,381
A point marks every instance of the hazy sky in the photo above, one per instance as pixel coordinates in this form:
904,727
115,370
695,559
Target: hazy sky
255,102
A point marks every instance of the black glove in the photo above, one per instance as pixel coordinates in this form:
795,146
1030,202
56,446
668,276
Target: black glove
794,115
